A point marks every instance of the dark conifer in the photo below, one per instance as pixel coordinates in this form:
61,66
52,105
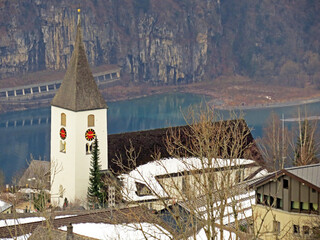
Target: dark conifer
95,194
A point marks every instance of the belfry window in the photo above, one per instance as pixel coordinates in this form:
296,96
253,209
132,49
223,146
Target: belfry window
63,146
63,119
88,148
91,120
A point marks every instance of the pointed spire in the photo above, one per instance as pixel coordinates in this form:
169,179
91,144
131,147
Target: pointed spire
79,91
79,18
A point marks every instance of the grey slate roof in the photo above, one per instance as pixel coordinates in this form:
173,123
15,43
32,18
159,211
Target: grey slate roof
38,170
79,91
309,173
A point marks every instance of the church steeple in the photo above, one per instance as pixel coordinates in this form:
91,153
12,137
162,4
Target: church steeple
78,116
79,91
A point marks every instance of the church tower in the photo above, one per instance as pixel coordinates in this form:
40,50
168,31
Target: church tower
78,116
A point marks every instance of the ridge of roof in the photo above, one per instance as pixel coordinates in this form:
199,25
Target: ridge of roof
303,166
79,91
308,173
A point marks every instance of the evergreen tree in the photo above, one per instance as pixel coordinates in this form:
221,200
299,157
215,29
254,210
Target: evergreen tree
95,190
40,201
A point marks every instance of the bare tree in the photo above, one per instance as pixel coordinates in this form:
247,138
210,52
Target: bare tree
307,146
274,144
210,154
2,180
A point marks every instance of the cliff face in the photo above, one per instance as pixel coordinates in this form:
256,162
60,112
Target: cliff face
167,41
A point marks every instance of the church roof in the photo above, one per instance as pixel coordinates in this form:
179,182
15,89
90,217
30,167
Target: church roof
146,143
79,91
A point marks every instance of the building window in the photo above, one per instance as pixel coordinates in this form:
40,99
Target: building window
63,119
306,230
304,206
91,120
296,229
62,146
259,198
88,148
276,226
268,200
271,202
142,189
285,183
313,206
313,190
295,205
279,203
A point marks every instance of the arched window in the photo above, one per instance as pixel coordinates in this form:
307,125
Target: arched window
63,119
91,120
63,146
88,148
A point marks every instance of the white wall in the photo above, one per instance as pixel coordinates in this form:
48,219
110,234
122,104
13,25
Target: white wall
75,163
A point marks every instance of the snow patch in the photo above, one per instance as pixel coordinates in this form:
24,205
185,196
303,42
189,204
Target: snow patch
64,216
134,231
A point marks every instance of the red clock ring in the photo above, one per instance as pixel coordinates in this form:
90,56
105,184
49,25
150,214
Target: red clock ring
90,134
63,133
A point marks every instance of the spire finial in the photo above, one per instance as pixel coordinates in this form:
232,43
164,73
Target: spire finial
79,10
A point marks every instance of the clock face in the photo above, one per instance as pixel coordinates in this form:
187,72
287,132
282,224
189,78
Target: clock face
63,133
90,134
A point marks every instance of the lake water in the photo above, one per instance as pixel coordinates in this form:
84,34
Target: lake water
27,133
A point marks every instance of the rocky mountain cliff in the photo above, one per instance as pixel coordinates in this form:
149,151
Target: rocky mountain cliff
167,41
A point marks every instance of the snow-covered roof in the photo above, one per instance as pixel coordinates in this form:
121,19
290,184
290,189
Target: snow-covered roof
4,205
18,221
147,173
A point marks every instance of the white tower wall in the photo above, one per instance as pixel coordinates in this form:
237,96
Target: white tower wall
73,165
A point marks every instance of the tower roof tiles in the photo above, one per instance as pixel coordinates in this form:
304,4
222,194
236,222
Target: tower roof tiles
79,91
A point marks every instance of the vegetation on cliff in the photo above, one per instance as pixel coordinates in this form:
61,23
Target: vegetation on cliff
168,41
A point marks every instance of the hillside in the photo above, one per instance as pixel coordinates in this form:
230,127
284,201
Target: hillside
168,41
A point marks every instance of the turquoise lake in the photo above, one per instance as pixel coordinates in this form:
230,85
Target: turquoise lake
27,133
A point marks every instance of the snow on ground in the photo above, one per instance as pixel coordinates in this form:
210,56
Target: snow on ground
243,203
146,173
226,235
120,232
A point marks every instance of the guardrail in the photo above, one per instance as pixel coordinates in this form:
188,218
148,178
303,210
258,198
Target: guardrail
27,91
25,122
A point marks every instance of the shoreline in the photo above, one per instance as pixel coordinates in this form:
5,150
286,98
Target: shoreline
215,97
289,103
